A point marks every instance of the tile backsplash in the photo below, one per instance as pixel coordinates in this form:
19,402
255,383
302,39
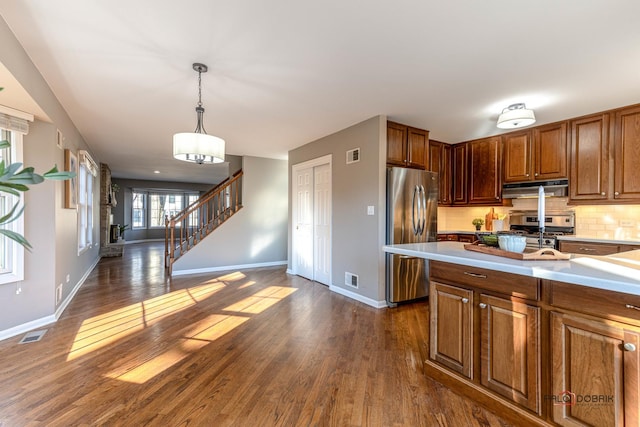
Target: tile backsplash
618,222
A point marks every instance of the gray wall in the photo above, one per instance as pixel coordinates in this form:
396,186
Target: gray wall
122,211
356,238
51,229
257,234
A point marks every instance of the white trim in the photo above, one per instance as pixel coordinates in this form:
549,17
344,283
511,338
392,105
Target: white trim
227,267
357,297
26,327
319,161
289,271
47,320
16,113
313,162
129,242
63,305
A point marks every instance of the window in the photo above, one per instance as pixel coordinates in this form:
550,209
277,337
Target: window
87,170
11,253
149,209
164,205
139,210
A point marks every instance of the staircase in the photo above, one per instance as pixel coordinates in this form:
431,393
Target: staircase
187,228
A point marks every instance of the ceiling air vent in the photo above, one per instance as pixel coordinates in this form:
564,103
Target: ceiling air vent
353,156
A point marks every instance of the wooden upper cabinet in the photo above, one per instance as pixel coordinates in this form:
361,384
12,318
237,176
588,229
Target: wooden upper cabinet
626,154
440,162
485,167
459,171
417,148
538,154
396,144
517,157
407,146
589,158
550,151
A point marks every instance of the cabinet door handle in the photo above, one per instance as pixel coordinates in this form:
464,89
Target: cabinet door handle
629,346
479,276
526,174
535,174
603,194
632,307
482,305
587,249
616,193
465,300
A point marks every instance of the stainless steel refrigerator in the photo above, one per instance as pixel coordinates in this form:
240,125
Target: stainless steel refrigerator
412,217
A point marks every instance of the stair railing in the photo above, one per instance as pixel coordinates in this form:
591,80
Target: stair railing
189,226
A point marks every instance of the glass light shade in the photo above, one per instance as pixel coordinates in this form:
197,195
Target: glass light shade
516,118
198,148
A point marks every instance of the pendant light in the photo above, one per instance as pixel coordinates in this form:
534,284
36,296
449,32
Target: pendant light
197,146
516,116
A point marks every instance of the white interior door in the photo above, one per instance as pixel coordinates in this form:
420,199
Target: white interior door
322,223
311,212
303,223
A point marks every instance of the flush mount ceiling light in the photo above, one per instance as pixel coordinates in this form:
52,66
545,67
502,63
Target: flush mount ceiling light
516,116
198,147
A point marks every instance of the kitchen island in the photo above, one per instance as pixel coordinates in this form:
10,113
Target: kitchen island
538,342
618,272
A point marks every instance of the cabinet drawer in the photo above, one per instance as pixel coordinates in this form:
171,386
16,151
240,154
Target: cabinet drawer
598,302
586,248
505,283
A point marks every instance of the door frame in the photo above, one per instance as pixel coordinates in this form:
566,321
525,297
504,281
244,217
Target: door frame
324,160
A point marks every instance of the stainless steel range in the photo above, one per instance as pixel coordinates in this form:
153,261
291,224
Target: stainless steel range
557,223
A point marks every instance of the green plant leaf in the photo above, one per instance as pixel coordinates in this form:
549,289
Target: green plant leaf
4,144
55,174
10,217
17,237
12,187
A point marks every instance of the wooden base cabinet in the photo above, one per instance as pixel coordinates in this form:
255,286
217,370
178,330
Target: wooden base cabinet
536,352
451,326
595,372
509,347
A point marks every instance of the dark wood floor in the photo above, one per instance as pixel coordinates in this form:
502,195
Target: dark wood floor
244,348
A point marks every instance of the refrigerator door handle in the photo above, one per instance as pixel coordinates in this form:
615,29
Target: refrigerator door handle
416,228
423,217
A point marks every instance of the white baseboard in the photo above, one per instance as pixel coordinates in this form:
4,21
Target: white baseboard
290,271
227,267
75,290
129,242
357,297
47,320
26,327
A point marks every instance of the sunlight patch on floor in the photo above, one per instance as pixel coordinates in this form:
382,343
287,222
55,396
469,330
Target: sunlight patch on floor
105,329
202,333
246,285
214,326
261,300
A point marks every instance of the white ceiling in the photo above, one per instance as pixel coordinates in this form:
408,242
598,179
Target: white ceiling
284,73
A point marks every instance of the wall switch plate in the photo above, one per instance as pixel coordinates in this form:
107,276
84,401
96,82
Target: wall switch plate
371,210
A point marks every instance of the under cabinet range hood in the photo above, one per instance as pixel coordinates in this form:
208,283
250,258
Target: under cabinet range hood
556,188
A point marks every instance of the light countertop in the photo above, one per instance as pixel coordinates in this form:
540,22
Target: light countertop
578,238
618,272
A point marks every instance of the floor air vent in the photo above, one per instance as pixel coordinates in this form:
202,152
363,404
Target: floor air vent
33,336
